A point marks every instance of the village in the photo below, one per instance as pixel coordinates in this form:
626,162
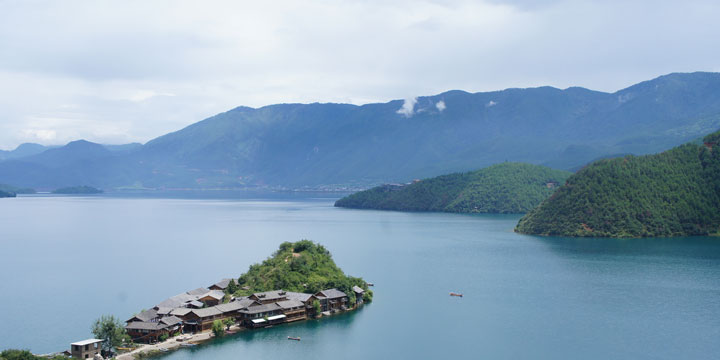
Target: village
189,317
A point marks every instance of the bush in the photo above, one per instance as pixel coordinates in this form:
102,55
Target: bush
218,328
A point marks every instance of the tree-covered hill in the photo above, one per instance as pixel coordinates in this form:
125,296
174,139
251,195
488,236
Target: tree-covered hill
501,188
302,266
343,145
673,193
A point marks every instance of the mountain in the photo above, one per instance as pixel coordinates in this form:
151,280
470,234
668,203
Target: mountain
26,149
502,188
342,145
674,193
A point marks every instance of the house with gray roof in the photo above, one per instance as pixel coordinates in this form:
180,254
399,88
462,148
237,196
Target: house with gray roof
151,331
332,300
220,285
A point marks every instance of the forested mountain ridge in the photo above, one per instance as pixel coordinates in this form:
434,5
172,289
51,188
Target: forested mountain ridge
340,145
501,188
674,193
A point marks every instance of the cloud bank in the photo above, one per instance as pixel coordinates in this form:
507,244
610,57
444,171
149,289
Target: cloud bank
121,71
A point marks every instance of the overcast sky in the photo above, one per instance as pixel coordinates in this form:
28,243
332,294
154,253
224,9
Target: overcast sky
117,72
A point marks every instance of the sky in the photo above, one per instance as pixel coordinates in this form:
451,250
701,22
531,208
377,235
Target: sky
128,71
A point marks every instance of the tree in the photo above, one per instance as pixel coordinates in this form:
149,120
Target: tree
218,329
110,330
229,322
316,305
232,287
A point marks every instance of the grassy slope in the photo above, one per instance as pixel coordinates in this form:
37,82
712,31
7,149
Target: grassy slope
501,188
673,193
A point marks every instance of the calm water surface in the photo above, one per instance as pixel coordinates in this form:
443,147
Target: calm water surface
66,260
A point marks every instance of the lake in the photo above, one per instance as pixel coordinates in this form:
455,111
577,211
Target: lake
64,261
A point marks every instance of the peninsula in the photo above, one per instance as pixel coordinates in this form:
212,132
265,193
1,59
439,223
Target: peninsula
674,193
299,281
502,188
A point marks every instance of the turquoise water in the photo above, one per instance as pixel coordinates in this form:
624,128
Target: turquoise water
66,260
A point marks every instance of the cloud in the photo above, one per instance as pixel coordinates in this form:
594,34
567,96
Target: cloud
142,95
440,105
490,103
408,107
118,62
42,135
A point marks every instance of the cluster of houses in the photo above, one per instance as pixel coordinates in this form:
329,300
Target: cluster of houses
196,310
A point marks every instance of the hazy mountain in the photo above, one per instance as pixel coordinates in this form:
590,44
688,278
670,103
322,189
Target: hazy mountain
315,144
26,149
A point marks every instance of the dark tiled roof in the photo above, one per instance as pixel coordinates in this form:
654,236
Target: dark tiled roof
144,325
333,293
170,320
206,312
229,307
358,289
298,296
146,315
164,310
289,304
180,311
198,291
223,284
260,308
271,295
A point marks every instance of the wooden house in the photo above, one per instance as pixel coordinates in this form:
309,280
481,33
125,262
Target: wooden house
220,285
151,331
332,300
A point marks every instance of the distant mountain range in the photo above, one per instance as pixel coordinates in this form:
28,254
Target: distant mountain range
502,188
337,145
674,193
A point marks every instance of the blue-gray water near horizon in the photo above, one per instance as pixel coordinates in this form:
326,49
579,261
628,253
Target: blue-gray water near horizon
64,261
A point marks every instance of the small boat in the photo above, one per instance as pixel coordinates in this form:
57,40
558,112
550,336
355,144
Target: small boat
370,284
188,344
163,349
455,294
293,338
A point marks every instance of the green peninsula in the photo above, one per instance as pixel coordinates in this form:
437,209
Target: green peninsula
303,267
674,193
502,188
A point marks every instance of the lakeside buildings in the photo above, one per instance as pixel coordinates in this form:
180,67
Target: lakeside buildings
196,310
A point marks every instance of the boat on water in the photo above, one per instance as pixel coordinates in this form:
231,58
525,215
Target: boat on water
456,294
293,338
188,345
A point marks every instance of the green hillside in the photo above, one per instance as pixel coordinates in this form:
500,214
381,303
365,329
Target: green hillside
501,188
302,266
674,193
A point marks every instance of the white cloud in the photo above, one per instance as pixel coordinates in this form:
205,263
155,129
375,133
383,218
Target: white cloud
408,107
440,105
490,103
118,62
142,95
42,135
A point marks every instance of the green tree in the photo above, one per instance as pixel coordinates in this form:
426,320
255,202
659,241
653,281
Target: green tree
110,330
218,328
232,287
228,323
316,306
